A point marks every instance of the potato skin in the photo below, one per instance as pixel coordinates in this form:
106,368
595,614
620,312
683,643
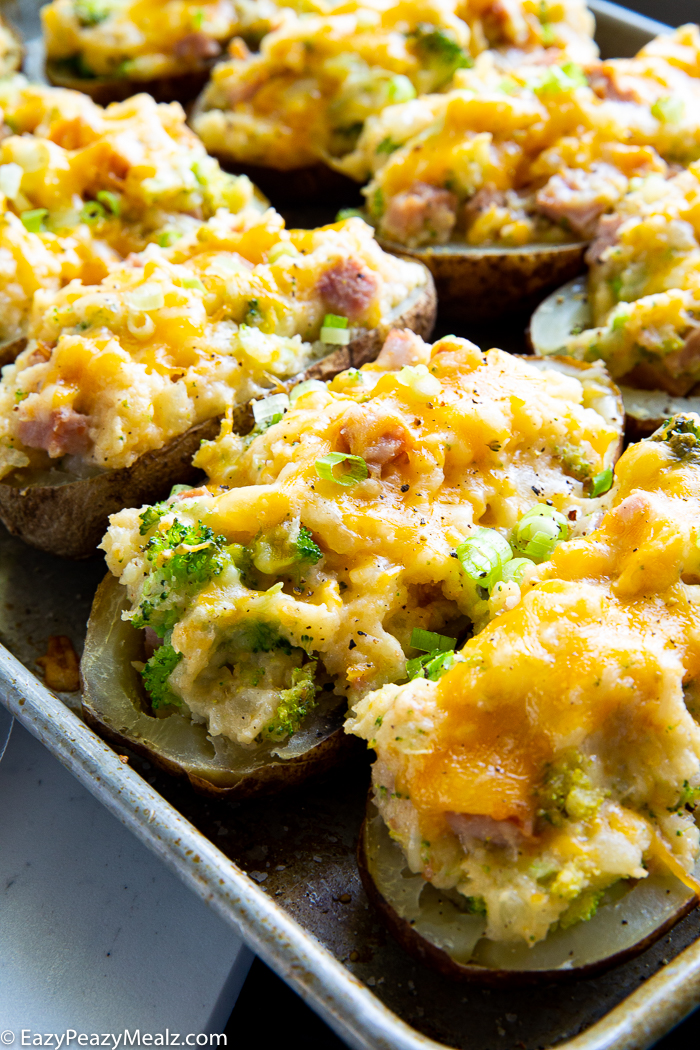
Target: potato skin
267,779
437,959
182,88
480,284
70,520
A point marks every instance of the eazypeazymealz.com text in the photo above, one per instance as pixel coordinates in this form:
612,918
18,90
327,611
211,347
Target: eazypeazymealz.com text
113,1040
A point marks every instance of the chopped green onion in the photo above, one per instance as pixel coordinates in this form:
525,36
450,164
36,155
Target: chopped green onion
280,249
111,201
483,555
418,379
357,468
432,665
177,489
148,296
265,411
335,321
602,482
168,238
92,211
303,388
514,570
429,641
33,221
538,532
192,282
349,213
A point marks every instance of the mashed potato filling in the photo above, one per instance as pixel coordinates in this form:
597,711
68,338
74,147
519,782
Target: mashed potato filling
562,752
170,339
327,538
526,153
82,186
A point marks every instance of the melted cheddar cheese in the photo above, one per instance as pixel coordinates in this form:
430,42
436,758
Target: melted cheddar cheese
329,578
172,338
560,755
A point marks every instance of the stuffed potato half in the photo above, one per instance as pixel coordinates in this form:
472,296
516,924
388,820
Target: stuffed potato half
297,578
122,380
540,792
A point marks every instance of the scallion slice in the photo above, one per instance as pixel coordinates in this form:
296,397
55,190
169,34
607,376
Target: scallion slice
334,330
357,468
539,531
92,212
111,201
429,641
514,570
265,411
602,482
483,555
33,220
303,388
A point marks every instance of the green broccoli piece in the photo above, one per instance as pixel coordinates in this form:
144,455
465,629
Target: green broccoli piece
150,517
689,797
92,12
476,906
156,674
264,638
439,50
295,703
307,550
681,433
582,908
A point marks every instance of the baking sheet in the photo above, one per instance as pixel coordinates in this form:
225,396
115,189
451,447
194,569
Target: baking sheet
302,908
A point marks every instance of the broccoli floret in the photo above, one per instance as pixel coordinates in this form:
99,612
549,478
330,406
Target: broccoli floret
689,797
681,433
439,49
306,548
150,517
295,703
156,674
582,908
264,638
476,906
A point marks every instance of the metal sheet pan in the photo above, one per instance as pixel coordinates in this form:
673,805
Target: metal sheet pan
282,871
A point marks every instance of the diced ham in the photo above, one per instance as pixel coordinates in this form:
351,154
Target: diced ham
483,199
423,214
378,448
40,354
578,198
196,47
385,448
605,237
189,494
402,347
687,359
485,829
611,84
64,432
347,288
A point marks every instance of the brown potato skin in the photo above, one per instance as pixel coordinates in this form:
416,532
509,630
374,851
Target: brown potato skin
480,284
268,779
181,88
11,350
437,959
70,520
312,184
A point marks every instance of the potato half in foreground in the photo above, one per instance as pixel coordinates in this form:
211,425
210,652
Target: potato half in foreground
562,324
329,546
122,380
539,786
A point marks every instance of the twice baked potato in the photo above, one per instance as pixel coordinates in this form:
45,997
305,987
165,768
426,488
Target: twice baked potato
82,186
539,786
111,49
122,380
324,541
512,162
653,330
